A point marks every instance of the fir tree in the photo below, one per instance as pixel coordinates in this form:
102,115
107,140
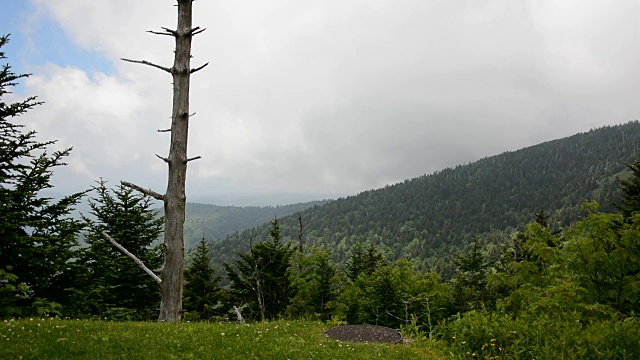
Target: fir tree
630,202
355,264
37,235
363,261
316,283
470,281
260,279
201,291
113,284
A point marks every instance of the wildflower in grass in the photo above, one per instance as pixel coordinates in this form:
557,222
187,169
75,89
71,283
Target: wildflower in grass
221,334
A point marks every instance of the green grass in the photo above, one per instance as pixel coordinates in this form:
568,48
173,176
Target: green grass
90,339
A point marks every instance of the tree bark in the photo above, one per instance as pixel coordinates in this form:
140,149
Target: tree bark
175,197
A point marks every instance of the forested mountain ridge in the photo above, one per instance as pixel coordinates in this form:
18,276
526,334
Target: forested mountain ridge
214,222
431,217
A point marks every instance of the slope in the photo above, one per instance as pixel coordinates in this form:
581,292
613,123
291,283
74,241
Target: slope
215,222
429,218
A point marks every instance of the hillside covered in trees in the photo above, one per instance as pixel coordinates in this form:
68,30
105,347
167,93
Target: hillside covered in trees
214,222
431,217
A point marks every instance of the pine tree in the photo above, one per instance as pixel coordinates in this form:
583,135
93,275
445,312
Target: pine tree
363,261
201,291
260,279
470,281
316,284
355,264
112,284
37,235
630,202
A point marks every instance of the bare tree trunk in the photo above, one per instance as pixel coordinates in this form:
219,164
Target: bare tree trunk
259,291
174,199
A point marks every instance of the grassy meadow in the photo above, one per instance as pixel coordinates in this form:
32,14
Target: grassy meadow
38,338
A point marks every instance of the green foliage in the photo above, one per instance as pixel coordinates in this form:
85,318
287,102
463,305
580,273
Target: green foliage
603,257
363,261
108,281
202,294
316,282
260,278
43,307
485,335
470,282
37,234
395,294
11,292
630,202
571,296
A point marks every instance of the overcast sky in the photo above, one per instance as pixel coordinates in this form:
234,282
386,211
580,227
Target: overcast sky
321,97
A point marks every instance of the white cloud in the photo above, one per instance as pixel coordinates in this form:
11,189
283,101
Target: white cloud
338,96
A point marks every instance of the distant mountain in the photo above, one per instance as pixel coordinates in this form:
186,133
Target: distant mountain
215,222
429,218
278,199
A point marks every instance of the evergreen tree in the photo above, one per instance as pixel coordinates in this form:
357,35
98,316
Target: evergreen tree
260,281
316,283
113,285
201,291
630,202
37,235
363,261
470,281
355,263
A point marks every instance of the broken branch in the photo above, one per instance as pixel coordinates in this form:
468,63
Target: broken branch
148,192
238,315
145,62
196,30
133,257
193,158
159,33
198,68
163,158
164,130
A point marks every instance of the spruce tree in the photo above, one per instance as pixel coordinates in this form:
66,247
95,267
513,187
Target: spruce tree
316,283
470,281
259,279
363,261
112,284
37,235
201,291
630,202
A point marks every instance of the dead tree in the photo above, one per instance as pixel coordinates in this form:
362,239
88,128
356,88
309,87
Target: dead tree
171,272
